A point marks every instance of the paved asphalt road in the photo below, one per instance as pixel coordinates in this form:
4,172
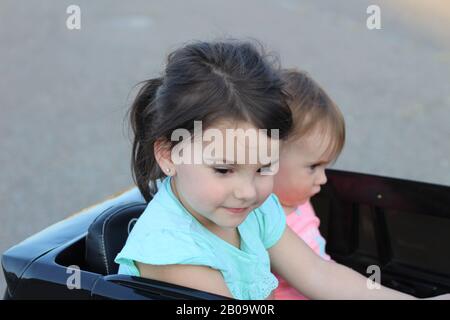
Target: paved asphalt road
63,94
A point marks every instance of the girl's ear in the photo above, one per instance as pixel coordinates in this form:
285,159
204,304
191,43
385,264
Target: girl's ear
162,151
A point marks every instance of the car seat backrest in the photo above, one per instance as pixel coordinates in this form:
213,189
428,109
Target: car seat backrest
107,236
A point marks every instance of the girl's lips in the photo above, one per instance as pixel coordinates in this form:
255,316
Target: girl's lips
237,210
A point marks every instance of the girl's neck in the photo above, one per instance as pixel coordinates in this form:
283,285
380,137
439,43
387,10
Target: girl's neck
205,222
288,209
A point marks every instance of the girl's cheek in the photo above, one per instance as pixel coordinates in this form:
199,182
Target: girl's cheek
266,186
292,182
210,190
206,189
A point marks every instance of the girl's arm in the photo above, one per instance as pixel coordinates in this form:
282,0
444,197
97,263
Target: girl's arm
191,276
319,279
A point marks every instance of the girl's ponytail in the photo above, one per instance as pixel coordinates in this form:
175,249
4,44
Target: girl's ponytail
142,117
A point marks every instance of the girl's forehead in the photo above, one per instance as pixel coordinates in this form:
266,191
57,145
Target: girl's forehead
231,124
230,130
317,146
235,142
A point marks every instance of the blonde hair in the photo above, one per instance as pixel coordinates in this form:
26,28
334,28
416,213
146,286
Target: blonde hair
312,109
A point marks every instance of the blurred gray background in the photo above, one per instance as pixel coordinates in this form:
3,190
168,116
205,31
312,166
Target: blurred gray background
64,143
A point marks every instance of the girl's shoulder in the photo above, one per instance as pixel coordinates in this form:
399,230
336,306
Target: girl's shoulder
270,209
268,220
163,213
162,235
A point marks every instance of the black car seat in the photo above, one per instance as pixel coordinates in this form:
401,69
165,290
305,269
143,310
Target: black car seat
107,235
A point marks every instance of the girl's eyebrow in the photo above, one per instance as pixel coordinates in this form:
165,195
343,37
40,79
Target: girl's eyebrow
232,163
320,162
220,161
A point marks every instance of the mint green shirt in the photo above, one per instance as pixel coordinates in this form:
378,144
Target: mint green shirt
166,233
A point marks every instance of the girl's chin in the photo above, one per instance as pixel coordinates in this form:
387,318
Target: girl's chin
230,224
295,204
304,201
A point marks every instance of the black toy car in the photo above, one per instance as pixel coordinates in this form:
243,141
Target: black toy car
401,226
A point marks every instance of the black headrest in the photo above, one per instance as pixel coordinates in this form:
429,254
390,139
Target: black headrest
107,236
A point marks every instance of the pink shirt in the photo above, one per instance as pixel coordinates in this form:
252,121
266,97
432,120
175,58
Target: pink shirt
304,222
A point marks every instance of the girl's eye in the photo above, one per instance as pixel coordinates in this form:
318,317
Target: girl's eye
264,169
222,171
313,167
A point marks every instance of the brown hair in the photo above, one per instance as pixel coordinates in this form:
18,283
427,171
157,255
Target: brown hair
312,109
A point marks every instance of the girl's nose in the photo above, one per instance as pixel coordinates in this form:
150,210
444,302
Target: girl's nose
245,191
322,177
